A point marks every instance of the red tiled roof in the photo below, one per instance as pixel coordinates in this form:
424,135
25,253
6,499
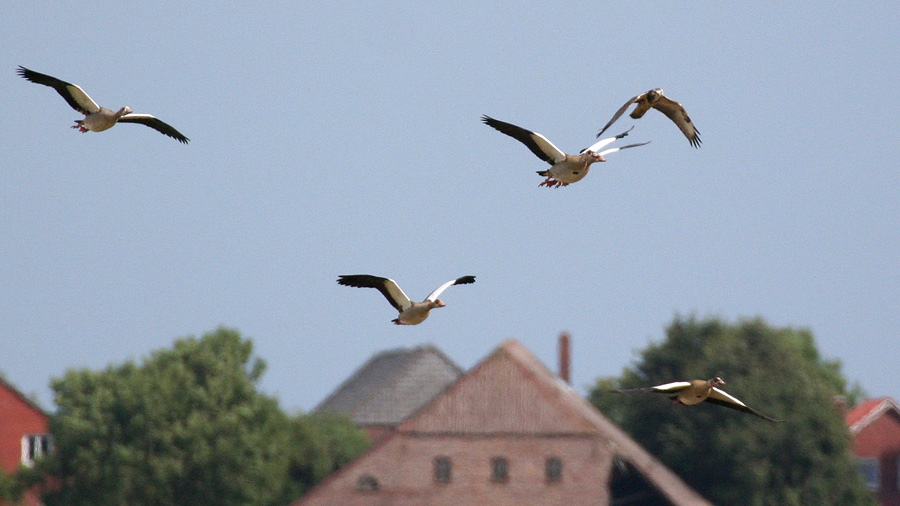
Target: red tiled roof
865,412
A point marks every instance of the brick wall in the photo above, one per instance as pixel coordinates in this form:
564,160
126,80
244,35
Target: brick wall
404,470
17,418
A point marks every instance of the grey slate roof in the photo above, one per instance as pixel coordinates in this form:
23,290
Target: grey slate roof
392,385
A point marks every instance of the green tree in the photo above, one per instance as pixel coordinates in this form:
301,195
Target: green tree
730,457
9,491
320,445
187,426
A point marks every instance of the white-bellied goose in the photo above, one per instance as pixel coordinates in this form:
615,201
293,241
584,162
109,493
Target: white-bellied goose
565,169
693,392
657,100
96,118
411,313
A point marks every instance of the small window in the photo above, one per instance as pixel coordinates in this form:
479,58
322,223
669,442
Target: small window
34,446
442,469
553,469
367,483
499,470
868,467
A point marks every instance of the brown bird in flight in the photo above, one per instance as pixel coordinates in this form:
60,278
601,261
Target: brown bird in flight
657,100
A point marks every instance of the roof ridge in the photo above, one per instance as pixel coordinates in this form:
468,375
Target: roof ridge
358,373
5,382
879,405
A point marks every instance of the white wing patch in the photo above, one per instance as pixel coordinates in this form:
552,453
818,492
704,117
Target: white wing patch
548,148
672,387
397,294
82,98
723,396
599,144
439,290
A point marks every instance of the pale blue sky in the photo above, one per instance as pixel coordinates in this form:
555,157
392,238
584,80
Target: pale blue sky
338,138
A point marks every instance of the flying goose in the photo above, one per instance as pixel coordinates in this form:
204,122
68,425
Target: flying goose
411,313
564,168
655,99
688,393
96,118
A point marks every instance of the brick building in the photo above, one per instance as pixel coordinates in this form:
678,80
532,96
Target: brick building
508,432
23,433
875,427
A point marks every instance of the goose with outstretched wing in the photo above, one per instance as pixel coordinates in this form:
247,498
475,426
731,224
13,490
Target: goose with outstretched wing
688,393
564,168
411,313
96,118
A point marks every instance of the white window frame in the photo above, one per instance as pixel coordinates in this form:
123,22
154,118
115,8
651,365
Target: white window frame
35,446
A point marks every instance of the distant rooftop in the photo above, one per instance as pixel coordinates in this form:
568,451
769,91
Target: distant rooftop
392,385
867,411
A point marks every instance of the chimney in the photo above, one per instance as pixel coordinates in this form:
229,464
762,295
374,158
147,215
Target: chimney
565,367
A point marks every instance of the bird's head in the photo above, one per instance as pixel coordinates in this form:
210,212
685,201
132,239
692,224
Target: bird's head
595,157
437,303
123,111
654,94
716,382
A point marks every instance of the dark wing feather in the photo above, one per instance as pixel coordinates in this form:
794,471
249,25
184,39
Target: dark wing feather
740,407
156,124
679,116
619,113
61,87
465,280
634,145
368,281
520,134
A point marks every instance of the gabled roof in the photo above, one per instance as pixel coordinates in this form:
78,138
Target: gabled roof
392,385
525,397
10,387
510,394
868,411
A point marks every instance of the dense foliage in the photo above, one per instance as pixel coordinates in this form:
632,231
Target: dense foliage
734,458
185,427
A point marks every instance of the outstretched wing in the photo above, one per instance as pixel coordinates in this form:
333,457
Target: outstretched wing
668,388
537,143
620,112
387,287
72,93
613,150
722,398
465,280
156,124
679,116
606,142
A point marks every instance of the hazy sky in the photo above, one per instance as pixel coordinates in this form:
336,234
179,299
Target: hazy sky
336,138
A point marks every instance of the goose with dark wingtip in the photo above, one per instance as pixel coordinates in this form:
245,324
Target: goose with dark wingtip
411,313
96,118
657,100
688,393
565,169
